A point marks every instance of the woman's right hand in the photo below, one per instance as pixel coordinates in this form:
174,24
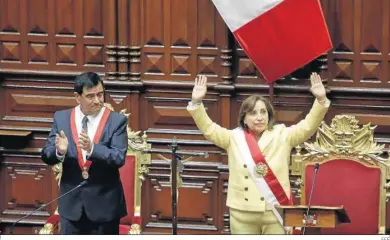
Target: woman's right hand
200,89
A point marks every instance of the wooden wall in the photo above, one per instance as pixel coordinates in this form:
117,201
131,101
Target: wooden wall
149,52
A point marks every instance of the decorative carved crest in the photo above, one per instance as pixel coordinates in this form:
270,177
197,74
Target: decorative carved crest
136,143
345,137
57,169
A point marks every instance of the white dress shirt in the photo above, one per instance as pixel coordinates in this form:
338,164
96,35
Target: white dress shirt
92,124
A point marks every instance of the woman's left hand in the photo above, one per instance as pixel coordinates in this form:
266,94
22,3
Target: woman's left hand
317,88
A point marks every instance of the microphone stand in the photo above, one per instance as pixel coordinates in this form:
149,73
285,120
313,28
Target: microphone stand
176,163
175,159
317,165
46,204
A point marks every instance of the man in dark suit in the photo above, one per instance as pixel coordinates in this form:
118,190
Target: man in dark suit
91,142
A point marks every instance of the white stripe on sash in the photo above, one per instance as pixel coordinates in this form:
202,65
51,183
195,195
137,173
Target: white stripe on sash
261,184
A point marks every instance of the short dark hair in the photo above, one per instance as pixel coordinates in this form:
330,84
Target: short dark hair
87,80
249,104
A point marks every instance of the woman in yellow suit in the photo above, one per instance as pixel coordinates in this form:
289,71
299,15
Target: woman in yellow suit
259,156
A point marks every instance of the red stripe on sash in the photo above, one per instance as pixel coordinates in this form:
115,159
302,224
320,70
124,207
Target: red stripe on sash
270,177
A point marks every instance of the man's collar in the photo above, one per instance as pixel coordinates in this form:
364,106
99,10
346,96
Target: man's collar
90,117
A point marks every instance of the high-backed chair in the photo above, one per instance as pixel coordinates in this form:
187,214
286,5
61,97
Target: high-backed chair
132,174
353,173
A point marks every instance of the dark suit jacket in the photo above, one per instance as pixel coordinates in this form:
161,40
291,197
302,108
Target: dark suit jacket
102,197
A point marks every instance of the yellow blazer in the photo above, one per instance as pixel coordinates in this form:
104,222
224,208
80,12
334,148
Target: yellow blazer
275,144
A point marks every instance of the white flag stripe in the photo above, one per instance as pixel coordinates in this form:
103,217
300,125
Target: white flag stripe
237,13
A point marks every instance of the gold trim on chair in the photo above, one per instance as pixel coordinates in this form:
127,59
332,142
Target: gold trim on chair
47,229
137,143
344,139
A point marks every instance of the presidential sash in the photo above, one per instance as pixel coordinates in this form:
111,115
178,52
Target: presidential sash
263,176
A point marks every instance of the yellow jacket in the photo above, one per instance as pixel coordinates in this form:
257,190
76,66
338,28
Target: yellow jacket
275,145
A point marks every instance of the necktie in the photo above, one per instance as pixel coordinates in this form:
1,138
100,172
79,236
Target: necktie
85,173
85,126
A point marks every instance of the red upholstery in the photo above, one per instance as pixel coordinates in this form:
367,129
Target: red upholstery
127,177
124,229
351,184
53,219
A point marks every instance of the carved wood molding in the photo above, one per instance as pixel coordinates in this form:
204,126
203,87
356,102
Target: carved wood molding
124,63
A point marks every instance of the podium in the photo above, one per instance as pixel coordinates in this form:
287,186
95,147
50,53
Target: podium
318,217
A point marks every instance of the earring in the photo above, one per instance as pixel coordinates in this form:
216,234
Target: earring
245,126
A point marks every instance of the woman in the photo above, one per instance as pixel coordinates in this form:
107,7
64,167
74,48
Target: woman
259,156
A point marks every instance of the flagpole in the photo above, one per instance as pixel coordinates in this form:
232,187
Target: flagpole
271,93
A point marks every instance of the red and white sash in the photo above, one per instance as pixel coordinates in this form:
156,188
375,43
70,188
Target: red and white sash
268,186
84,166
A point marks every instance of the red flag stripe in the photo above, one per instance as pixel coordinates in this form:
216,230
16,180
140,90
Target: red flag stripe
284,38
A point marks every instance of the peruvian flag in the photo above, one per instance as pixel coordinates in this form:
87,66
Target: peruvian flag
279,36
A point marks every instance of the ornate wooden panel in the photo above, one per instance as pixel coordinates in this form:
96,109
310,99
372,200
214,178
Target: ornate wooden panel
358,76
167,110
150,52
66,35
200,182
180,39
31,101
17,171
246,72
360,34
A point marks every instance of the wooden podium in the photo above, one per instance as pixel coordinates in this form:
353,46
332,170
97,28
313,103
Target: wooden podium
318,217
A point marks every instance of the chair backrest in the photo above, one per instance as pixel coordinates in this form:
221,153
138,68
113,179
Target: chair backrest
352,173
350,184
127,175
133,172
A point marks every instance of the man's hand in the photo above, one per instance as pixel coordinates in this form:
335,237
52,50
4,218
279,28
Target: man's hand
61,143
317,88
84,142
200,88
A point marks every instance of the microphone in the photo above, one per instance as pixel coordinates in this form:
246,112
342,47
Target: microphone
316,167
46,204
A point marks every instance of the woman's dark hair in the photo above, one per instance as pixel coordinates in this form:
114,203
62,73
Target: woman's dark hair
249,104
